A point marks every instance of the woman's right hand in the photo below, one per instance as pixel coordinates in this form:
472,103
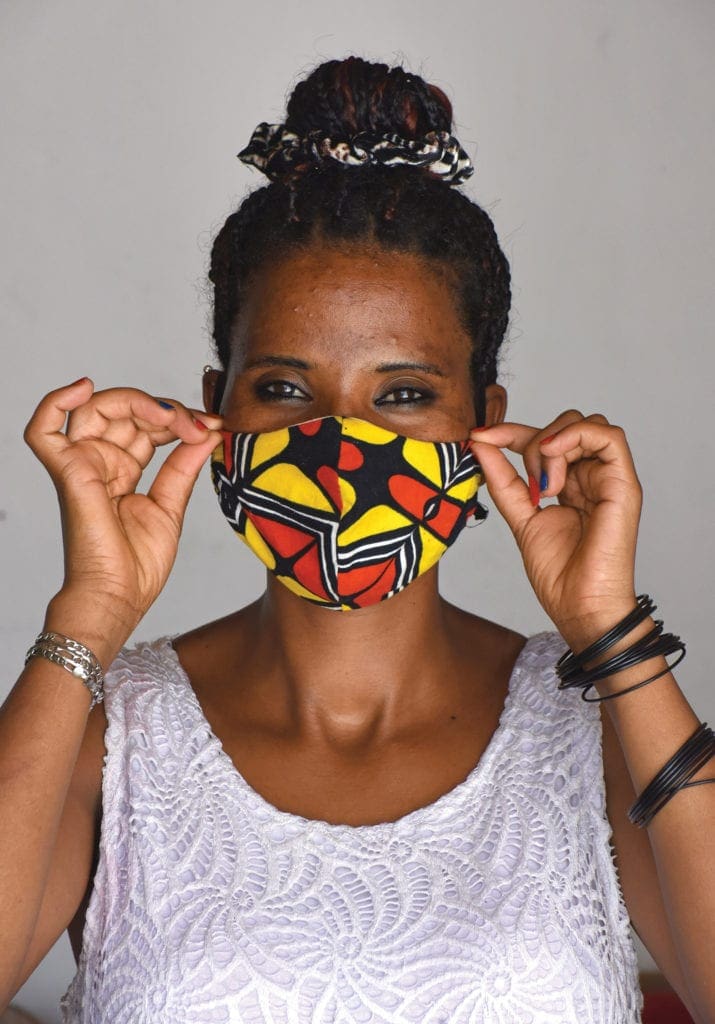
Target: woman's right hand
119,545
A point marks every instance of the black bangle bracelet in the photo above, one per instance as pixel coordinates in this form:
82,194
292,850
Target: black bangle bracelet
630,689
649,646
576,675
690,751
579,676
674,775
568,662
645,813
571,670
686,761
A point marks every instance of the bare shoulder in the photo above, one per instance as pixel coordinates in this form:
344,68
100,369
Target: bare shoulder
200,648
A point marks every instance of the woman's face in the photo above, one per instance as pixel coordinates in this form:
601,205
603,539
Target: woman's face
352,332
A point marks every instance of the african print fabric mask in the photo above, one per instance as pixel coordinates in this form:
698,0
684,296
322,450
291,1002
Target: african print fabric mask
343,512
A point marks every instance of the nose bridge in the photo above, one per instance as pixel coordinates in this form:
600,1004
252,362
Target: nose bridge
340,386
343,402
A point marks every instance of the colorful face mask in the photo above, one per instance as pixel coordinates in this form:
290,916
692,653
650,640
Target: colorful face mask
343,512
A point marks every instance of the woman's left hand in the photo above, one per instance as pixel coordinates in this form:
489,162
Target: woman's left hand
579,555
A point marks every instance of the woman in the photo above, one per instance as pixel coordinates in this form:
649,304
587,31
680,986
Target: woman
350,800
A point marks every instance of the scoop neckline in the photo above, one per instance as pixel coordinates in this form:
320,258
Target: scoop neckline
334,828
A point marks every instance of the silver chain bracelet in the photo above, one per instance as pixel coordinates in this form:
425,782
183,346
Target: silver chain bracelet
72,656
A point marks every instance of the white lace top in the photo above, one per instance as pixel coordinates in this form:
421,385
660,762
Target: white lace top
496,904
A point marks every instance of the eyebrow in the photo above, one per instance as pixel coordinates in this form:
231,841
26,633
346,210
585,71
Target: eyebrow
422,367
300,364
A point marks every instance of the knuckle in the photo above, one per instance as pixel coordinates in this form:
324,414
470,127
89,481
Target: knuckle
29,438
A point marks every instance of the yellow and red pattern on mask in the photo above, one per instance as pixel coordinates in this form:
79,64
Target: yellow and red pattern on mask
343,512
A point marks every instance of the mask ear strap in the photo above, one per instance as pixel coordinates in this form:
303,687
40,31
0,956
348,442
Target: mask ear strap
219,386
480,405
218,392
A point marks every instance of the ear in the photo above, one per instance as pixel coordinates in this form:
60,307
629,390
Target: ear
496,402
213,384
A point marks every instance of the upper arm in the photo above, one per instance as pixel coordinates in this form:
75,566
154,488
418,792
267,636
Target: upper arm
72,862
636,865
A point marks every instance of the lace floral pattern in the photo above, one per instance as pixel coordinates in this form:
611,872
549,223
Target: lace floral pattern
496,904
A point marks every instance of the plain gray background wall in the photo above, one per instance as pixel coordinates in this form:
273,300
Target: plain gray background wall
591,127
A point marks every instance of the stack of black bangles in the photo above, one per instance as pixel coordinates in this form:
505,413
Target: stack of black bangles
693,754
673,776
570,667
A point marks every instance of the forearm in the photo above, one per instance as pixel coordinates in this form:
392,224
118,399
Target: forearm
42,725
652,723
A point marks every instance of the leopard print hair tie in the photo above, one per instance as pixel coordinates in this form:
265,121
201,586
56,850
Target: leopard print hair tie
281,153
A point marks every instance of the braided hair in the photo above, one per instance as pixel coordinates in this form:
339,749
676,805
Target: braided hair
399,208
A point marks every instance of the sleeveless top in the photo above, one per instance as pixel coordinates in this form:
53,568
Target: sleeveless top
498,903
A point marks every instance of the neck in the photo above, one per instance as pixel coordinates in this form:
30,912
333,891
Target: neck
356,677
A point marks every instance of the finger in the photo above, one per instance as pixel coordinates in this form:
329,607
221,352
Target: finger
191,427
506,488
603,473
197,419
553,469
546,472
517,437
44,432
209,419
590,439
116,411
125,434
175,480
123,406
514,436
140,444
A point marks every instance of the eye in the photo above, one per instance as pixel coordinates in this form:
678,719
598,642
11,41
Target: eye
405,394
279,390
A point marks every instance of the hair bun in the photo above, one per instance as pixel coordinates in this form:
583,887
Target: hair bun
345,97
358,112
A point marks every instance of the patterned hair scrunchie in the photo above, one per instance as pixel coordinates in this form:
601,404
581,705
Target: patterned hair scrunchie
280,152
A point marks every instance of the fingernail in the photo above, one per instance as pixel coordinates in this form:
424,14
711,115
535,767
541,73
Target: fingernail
544,482
200,425
164,405
475,429
78,381
533,490
545,440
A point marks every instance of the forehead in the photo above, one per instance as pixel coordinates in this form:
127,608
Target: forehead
330,301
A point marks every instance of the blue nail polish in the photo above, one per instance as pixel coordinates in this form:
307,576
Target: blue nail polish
165,405
544,482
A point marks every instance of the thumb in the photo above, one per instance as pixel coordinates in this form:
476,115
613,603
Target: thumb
506,488
175,480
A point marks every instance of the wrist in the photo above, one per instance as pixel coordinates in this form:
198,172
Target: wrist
618,651
624,678
92,620
580,632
